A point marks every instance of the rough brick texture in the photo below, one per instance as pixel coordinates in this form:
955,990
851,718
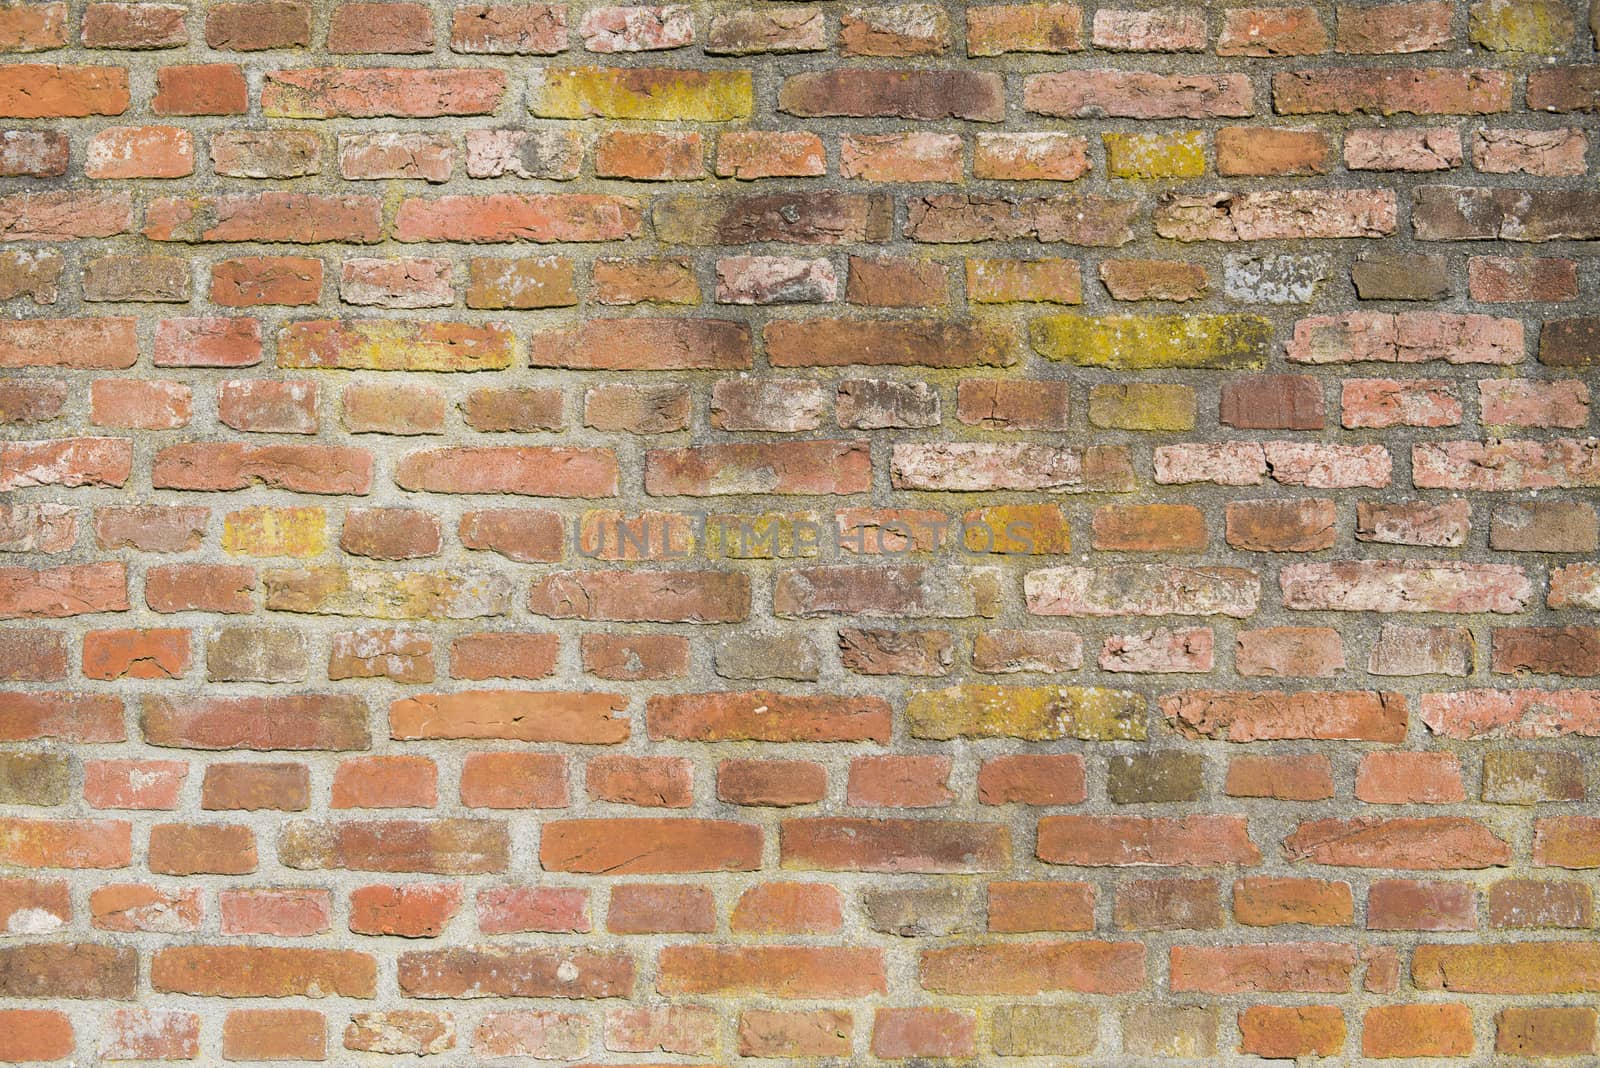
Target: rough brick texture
765,533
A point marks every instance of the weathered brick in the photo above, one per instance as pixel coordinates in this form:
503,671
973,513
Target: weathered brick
753,32
1451,213
1277,215
1138,95
925,96
1034,967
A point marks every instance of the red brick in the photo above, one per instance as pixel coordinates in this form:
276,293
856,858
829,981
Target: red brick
274,1034
208,343
639,908
1545,1032
262,723
540,1034
258,25
235,465
135,405
1394,28
1041,906
66,843
393,409
133,25
509,29
73,717
1535,903
515,972
286,912
33,655
380,28
1562,403
772,971
903,1033
1163,528
83,971
261,971
764,716
256,786
1282,777
385,782
750,31
34,905
1511,279
1566,842
1431,1030
90,344
65,462
150,528
1254,151
214,89
686,1029
53,593
512,715
133,784
32,402
414,910
1034,967
1269,901
1416,905
268,407
899,782
1030,157
1298,967
1137,95
1012,405
1272,31
772,783
521,909
1506,968
265,280
135,907
38,91
1425,91
140,152
33,27
1563,90
34,154
788,908
503,656
439,847
1413,844
35,1035
295,218
513,780
1250,716
266,153
1285,1032
817,1033
151,1034
920,95
1289,652
1134,840
1032,779
136,654
1166,905
893,845
651,782
1400,778
209,849
649,846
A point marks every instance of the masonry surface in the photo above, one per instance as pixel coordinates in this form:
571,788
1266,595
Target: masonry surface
756,533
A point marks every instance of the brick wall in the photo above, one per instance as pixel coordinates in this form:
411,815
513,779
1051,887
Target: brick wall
758,531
